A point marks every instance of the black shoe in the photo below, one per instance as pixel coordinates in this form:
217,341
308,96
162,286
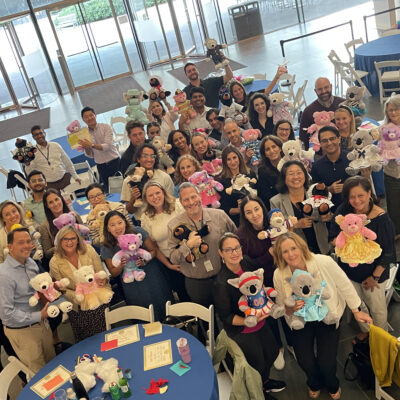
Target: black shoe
267,396
271,385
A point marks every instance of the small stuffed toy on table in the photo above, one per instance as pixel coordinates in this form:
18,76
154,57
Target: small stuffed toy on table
292,151
389,145
251,142
24,152
207,187
214,53
279,108
321,119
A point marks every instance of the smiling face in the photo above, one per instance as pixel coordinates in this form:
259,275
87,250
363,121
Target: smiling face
10,215
254,214
147,158
393,114
232,161
199,144
272,151
54,203
155,197
179,141
295,178
40,137
359,199
292,254
232,132
69,242
37,183
238,93
156,109
137,136
21,247
343,121
89,117
191,201
96,196
231,251
330,143
116,226
153,131
198,100
192,73
323,89
215,122
283,131
260,106
187,169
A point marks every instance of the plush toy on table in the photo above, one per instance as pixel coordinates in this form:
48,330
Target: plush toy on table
242,186
251,142
306,287
207,188
229,108
292,151
48,292
389,145
106,370
355,243
139,176
157,92
279,108
85,371
69,219
321,119
278,225
214,53
131,252
162,150
134,109
317,203
256,298
364,154
98,214
89,293
354,95
183,107
24,152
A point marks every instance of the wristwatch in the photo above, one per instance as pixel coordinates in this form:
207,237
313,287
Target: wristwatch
376,278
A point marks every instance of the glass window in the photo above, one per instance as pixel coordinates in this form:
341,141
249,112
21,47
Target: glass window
8,7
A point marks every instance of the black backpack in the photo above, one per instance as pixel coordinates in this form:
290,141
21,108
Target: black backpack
358,366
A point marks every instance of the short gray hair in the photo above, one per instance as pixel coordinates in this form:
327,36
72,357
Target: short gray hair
394,100
187,185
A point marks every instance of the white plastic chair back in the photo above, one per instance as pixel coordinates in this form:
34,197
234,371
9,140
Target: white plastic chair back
390,32
387,77
351,46
120,137
128,312
299,99
288,89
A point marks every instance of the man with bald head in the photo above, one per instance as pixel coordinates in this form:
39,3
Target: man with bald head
324,102
232,132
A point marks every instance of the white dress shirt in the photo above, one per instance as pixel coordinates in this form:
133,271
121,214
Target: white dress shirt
103,134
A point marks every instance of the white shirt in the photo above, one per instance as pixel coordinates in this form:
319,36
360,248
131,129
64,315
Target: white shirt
103,134
52,161
199,121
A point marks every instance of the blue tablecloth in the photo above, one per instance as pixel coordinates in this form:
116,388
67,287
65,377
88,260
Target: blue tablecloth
82,209
74,155
383,49
257,85
200,383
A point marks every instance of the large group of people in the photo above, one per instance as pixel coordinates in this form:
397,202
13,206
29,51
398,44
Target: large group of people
196,249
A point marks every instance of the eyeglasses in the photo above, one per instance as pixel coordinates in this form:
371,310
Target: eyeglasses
329,139
153,156
96,196
37,134
72,239
283,129
236,249
38,180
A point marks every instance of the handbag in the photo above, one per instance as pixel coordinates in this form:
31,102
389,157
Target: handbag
115,183
358,365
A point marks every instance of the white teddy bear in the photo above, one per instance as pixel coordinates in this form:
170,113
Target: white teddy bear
292,151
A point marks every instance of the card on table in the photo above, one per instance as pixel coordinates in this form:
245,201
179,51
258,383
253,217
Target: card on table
51,382
153,328
180,368
157,354
124,336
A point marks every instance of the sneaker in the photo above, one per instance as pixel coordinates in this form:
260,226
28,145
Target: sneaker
271,385
279,363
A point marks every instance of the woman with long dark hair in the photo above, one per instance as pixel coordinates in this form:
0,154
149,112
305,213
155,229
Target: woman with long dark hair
284,130
258,107
180,144
166,119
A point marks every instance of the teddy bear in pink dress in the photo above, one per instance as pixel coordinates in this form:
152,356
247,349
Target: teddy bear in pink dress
389,145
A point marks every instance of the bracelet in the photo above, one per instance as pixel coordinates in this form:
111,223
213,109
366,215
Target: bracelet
376,278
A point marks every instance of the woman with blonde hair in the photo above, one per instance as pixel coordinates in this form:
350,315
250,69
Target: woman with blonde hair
185,167
291,253
70,254
346,125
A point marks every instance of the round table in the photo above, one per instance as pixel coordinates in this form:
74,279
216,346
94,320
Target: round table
383,49
200,383
258,85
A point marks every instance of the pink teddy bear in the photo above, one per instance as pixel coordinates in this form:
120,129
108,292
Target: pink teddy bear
321,118
207,187
251,142
389,145
69,219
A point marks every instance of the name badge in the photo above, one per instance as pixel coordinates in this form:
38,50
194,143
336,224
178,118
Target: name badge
208,266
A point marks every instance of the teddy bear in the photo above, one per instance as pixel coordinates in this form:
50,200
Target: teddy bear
24,152
318,201
207,187
131,252
354,244
73,127
305,287
389,145
139,178
106,370
321,118
69,219
162,151
292,151
364,154
182,233
256,298
35,235
251,142
278,225
183,107
214,53
88,292
48,291
134,109
229,108
242,186
354,95
99,213
156,92
85,371
279,108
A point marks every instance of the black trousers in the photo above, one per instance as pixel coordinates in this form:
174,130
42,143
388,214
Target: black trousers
260,349
108,169
320,369
176,281
274,325
200,291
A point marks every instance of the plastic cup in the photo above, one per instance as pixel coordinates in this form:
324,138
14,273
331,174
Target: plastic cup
60,394
184,351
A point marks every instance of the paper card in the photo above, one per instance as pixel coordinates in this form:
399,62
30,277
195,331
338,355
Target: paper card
180,368
110,344
82,202
74,137
157,355
153,328
124,336
51,382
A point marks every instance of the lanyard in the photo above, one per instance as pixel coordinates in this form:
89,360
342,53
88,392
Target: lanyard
48,152
194,223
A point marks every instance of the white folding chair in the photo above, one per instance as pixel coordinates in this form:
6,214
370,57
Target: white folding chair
197,311
390,32
351,46
86,174
128,312
286,85
299,100
349,75
333,57
387,77
9,372
120,138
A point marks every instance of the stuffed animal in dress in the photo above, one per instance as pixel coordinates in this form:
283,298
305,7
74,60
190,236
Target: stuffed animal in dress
88,291
278,225
364,154
69,219
131,252
229,108
242,186
106,370
251,142
24,152
256,298
157,92
211,163
321,119
214,53
183,107
134,109
389,145
162,151
354,244
182,233
292,151
48,292
98,214
279,108
139,178
305,286
207,188
317,203
354,95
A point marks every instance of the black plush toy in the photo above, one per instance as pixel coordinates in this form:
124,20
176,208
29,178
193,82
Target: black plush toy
156,92
182,232
318,201
24,152
214,53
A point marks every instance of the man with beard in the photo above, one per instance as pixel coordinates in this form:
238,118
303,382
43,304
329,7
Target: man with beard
211,86
324,102
34,203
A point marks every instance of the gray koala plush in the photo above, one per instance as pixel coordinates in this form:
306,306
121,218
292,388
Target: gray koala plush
305,287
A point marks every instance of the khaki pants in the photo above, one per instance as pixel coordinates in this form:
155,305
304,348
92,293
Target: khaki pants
61,183
33,345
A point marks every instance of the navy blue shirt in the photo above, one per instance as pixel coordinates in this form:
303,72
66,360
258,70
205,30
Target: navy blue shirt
327,172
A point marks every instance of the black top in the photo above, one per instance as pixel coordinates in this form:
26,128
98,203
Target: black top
127,157
269,126
384,229
266,184
211,88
